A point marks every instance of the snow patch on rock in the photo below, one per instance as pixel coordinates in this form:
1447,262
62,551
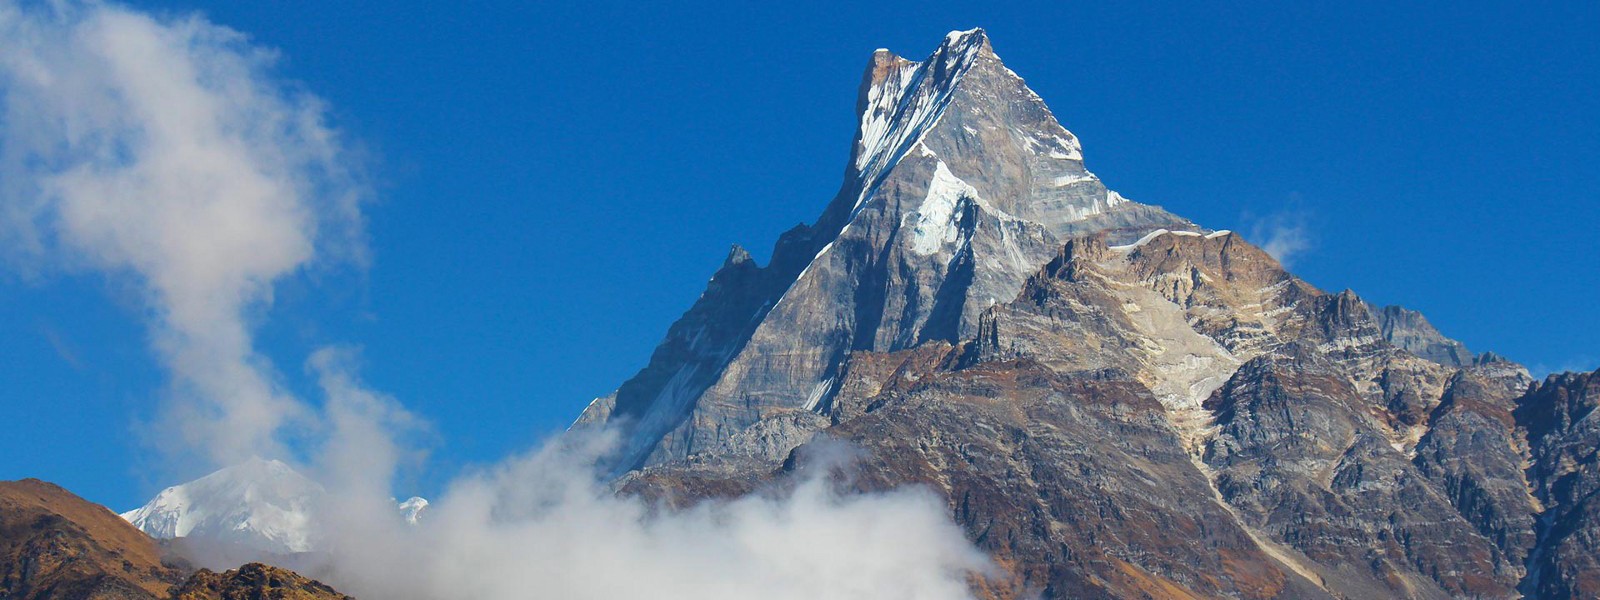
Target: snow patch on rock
935,224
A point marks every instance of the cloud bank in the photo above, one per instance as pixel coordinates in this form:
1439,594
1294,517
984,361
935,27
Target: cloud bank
166,152
543,526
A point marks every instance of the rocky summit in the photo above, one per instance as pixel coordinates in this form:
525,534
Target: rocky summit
1114,401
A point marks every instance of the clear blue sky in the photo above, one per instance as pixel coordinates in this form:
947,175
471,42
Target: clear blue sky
556,183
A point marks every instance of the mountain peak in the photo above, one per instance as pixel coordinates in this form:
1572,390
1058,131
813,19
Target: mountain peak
975,37
901,99
960,184
259,505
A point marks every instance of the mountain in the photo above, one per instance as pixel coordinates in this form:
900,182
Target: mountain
55,545
1114,401
923,236
254,510
259,504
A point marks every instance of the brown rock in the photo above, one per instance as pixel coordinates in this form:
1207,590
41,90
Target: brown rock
55,545
254,581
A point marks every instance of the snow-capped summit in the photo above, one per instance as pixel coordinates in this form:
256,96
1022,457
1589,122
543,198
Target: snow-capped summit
412,509
260,504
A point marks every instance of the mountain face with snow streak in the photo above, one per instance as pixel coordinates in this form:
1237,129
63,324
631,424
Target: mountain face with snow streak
924,235
1114,402
259,507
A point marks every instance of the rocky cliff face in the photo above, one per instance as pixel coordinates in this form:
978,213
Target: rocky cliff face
1556,416
1115,402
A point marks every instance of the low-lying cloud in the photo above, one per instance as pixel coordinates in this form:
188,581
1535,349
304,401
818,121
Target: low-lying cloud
544,526
166,152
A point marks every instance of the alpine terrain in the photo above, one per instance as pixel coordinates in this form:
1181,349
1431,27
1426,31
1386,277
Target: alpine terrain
256,510
1114,401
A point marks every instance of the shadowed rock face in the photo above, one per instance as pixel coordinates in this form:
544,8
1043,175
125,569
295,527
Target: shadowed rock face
1069,480
1114,402
1557,417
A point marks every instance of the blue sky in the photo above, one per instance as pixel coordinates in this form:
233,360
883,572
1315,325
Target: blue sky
555,183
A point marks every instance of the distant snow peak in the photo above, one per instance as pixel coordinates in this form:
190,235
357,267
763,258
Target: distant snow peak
264,505
411,509
261,504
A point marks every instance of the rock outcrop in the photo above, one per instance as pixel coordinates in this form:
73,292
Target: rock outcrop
254,581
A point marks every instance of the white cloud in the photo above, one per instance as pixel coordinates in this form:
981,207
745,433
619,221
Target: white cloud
545,525
542,525
1285,235
167,151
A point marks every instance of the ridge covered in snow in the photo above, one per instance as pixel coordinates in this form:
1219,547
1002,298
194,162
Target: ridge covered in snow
262,505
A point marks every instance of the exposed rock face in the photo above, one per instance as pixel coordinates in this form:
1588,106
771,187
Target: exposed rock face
1115,403
1412,332
1558,419
55,545
1304,458
254,581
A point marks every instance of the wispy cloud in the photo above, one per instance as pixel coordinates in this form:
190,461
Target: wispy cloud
1284,234
167,151
60,346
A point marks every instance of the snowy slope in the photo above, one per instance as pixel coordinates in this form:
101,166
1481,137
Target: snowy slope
262,504
259,504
